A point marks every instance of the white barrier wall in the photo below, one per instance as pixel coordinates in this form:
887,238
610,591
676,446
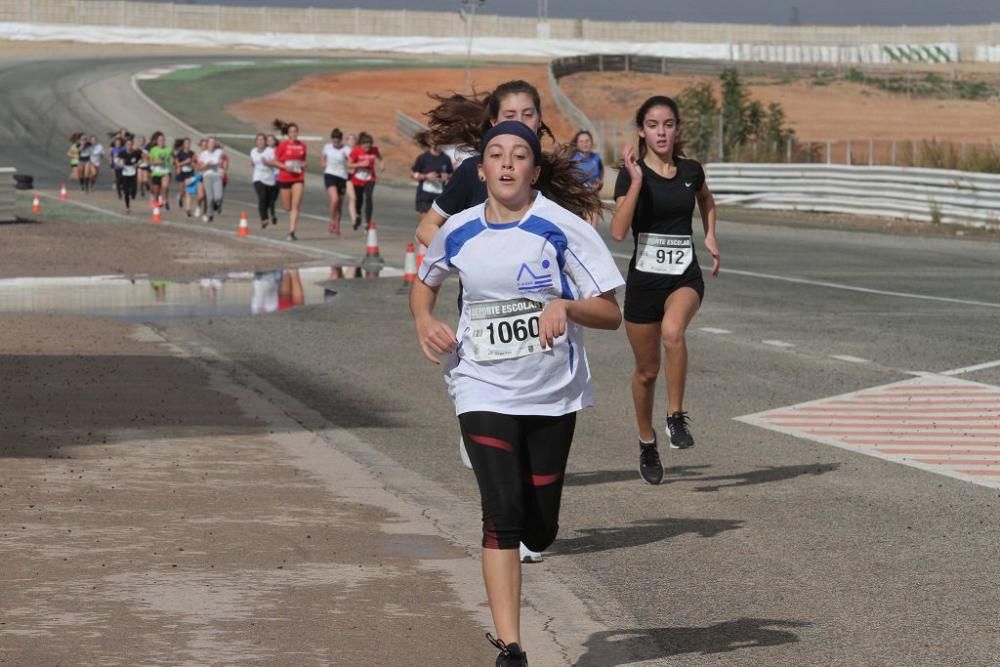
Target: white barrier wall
925,195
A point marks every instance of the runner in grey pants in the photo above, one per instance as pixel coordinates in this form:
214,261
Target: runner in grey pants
210,163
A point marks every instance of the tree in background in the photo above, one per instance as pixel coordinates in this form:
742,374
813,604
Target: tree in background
744,122
699,112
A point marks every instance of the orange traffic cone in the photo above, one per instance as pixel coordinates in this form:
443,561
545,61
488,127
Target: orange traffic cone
409,269
373,262
156,213
36,205
421,251
62,193
244,227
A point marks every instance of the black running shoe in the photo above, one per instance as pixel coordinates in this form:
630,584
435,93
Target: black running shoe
650,467
511,655
677,429
357,222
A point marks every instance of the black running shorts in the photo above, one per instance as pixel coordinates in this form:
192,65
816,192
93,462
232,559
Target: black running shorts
645,305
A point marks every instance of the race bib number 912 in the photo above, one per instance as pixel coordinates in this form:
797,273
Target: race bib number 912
504,329
664,254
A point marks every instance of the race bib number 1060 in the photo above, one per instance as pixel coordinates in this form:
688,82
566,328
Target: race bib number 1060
664,254
504,329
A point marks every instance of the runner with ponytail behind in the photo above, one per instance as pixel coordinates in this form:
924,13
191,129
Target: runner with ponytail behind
290,159
461,121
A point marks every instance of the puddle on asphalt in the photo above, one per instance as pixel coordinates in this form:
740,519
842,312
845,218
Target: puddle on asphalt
238,293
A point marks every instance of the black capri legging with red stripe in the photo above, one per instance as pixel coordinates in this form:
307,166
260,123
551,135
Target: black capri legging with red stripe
520,462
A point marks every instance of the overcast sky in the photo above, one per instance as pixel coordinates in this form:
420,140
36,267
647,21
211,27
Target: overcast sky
838,12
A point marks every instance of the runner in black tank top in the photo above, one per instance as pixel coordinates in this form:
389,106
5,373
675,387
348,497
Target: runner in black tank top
655,197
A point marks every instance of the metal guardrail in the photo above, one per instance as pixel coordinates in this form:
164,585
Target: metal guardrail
408,126
570,110
925,195
7,193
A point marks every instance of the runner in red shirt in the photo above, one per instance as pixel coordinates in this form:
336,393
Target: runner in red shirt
364,158
290,158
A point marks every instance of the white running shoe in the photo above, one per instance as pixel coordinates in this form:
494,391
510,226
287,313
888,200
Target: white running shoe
464,454
529,556
197,211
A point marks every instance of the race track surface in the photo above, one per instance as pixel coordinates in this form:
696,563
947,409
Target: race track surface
761,547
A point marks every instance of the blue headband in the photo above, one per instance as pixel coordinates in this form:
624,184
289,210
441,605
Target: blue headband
518,129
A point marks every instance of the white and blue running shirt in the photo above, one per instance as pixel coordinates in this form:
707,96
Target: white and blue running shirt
549,254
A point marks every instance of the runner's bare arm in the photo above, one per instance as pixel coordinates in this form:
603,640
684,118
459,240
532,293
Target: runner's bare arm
706,206
596,312
625,205
429,224
435,337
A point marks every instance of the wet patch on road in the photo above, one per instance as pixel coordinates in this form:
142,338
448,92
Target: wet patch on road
151,299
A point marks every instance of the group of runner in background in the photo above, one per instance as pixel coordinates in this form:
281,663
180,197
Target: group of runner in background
144,168
350,165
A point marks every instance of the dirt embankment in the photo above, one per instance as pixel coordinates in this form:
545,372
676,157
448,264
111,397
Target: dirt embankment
356,101
833,112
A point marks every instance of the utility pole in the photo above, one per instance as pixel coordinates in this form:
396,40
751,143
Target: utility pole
467,12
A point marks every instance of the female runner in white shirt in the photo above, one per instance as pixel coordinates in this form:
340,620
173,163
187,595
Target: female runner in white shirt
533,276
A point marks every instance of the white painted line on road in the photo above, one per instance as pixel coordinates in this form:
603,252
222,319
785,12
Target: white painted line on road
778,343
713,330
972,369
849,288
865,290
288,245
848,358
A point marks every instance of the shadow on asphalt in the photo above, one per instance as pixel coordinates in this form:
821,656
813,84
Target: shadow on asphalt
647,531
592,477
764,475
50,404
624,647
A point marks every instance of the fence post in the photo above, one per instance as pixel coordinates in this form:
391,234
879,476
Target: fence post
722,141
913,153
829,152
848,158
892,151
871,152
788,150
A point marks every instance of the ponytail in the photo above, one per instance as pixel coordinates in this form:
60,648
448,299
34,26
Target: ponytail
560,181
461,121
282,126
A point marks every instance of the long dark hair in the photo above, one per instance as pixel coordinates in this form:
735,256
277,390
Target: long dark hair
560,182
640,118
461,121
283,126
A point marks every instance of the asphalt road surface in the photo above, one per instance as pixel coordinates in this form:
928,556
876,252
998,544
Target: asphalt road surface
761,547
